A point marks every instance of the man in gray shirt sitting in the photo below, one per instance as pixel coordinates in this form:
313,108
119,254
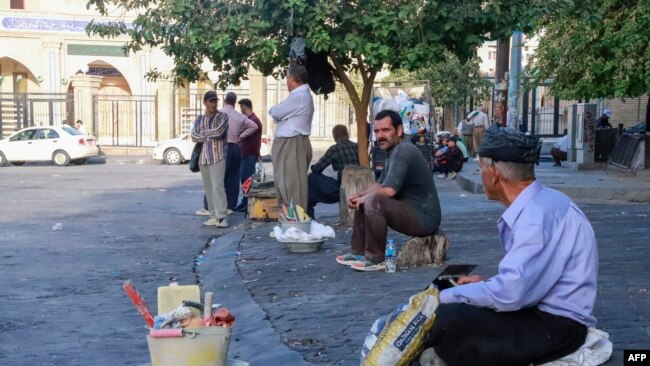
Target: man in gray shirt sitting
404,198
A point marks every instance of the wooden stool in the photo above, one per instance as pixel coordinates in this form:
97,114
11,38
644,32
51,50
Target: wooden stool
424,250
263,205
353,180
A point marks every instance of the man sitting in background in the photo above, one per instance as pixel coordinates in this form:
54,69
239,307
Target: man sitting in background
322,188
559,149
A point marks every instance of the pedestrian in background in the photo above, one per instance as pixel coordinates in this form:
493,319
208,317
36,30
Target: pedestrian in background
250,149
210,129
81,128
239,127
465,130
291,152
481,122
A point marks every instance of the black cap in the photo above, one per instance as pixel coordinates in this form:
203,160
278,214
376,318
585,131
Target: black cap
508,144
210,95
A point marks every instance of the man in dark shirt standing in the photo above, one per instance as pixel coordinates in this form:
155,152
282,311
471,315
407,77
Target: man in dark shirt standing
250,148
322,188
404,198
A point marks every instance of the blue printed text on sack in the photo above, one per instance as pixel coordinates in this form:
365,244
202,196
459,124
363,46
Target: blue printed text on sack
410,331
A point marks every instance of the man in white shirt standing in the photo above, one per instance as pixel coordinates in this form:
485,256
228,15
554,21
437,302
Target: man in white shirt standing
559,149
291,152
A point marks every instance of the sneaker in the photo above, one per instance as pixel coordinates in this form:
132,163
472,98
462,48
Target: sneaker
348,259
368,265
210,222
452,175
476,158
202,212
222,223
229,211
442,176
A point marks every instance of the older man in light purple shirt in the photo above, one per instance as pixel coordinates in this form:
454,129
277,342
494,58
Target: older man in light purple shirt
239,127
539,305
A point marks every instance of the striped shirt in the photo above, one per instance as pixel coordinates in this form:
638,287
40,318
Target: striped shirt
212,133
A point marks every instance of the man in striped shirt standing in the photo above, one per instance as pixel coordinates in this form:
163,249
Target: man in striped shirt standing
211,129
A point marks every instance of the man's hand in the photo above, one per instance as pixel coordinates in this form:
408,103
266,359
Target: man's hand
356,201
468,279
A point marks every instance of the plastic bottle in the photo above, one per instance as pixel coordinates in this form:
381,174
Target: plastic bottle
292,211
390,256
259,172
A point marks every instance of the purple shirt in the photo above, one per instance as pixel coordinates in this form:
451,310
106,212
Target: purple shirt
239,126
551,260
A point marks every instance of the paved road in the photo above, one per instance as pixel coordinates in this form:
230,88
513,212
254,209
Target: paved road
62,302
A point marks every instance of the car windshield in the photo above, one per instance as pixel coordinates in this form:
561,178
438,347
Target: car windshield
71,131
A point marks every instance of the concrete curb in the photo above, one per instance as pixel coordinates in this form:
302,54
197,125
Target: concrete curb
254,340
600,185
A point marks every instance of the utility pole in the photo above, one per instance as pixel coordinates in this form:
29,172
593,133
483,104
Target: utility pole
514,81
500,85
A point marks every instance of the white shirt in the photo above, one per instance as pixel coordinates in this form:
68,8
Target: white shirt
82,129
481,120
293,116
562,143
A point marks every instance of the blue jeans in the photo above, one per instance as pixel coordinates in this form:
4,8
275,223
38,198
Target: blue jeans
246,169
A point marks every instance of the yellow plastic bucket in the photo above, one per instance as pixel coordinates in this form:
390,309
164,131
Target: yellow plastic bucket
206,347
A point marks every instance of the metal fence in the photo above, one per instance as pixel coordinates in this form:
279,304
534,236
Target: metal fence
20,110
125,120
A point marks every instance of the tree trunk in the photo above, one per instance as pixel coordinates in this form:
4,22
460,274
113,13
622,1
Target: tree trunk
359,103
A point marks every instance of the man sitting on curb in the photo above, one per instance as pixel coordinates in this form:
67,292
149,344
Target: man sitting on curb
559,149
539,305
322,188
404,198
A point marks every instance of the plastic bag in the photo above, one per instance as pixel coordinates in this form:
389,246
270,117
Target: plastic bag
396,339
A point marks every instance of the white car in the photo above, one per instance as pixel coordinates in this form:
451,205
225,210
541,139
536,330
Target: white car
174,151
59,144
179,150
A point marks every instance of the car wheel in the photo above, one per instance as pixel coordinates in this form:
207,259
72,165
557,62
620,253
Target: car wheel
3,160
17,163
173,156
60,158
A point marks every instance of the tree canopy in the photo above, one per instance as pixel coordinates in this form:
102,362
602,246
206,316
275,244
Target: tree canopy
360,36
595,49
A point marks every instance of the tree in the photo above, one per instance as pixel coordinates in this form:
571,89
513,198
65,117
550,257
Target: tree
596,49
358,36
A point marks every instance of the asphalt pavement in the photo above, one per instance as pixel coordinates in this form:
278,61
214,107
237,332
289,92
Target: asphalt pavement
131,218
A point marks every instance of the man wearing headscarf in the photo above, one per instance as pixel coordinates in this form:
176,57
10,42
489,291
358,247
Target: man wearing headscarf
538,306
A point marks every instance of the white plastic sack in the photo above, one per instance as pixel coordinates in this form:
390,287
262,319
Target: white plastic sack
317,231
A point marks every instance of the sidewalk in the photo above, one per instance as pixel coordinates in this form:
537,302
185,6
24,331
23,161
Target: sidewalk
608,184
304,308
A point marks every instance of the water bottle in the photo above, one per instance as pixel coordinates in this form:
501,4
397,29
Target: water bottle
390,256
291,216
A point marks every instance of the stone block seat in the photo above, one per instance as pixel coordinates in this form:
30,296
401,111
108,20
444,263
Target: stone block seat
424,250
